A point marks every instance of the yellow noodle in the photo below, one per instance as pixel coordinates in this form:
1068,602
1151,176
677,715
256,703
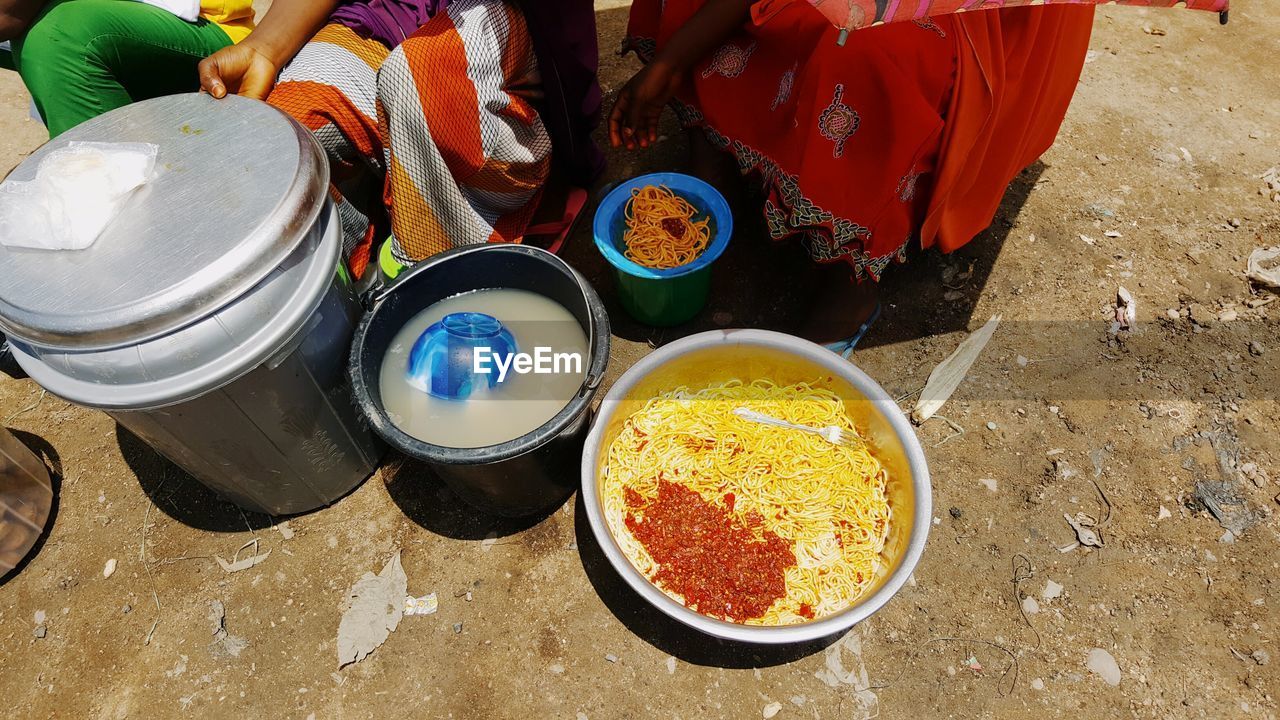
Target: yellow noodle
801,485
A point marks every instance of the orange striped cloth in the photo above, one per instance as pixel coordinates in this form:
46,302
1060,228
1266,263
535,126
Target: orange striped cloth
437,139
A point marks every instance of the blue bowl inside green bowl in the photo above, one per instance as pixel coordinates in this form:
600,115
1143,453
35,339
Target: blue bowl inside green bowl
663,296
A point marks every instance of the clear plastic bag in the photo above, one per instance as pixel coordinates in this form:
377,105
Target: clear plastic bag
77,190
188,10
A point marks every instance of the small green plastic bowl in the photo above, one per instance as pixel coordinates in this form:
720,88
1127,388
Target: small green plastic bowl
663,297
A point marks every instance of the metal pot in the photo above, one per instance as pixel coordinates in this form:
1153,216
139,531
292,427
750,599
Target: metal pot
532,473
717,356
212,317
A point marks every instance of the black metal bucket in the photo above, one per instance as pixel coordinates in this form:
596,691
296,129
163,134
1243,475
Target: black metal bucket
532,473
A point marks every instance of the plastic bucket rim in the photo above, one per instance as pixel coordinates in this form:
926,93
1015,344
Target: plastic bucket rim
500,452
719,208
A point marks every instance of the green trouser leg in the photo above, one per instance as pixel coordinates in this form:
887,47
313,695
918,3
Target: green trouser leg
82,58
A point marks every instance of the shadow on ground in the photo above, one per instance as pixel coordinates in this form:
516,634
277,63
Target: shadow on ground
53,462
425,499
660,631
8,365
918,302
175,493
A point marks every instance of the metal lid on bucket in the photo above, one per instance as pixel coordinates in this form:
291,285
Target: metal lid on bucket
239,184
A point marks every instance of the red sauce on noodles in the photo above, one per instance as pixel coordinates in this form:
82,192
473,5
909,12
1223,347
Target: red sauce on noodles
673,227
709,556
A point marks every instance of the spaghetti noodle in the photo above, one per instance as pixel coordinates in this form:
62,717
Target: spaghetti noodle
661,232
701,501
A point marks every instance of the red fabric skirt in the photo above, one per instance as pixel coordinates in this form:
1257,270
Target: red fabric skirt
847,141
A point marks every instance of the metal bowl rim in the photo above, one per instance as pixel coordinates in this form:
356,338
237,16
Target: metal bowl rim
885,406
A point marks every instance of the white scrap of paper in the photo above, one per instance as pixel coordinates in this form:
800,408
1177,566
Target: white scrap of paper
949,373
1083,525
1126,313
425,605
1052,590
238,563
836,673
1103,664
1264,266
375,605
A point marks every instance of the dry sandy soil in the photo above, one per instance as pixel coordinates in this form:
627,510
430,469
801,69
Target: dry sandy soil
1175,120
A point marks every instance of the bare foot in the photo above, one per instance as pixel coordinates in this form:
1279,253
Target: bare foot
841,305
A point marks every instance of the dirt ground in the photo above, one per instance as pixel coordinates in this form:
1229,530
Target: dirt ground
1153,185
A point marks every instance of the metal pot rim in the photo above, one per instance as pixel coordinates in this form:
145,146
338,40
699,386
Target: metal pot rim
149,298
319,257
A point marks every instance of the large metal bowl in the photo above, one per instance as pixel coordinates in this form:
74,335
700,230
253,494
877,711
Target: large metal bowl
717,356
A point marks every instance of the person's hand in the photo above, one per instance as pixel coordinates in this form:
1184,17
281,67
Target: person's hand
240,70
634,119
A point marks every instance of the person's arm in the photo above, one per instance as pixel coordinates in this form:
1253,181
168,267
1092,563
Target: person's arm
634,119
251,66
16,17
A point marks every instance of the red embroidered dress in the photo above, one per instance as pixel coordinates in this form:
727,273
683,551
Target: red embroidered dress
848,141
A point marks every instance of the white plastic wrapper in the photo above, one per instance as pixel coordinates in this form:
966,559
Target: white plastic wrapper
76,192
425,605
188,10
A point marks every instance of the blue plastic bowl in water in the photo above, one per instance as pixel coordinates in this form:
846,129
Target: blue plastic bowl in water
441,362
663,297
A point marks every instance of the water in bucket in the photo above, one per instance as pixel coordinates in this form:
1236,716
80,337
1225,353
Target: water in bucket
433,389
